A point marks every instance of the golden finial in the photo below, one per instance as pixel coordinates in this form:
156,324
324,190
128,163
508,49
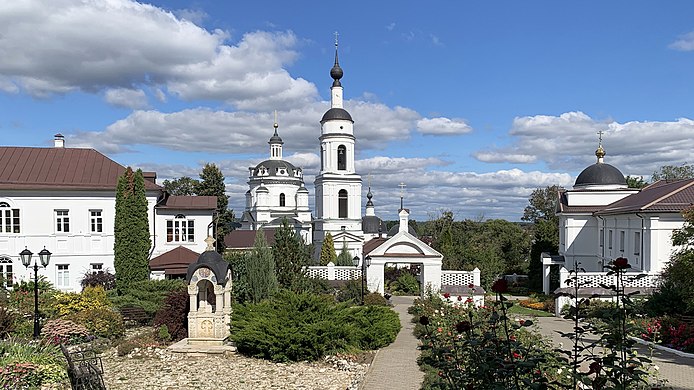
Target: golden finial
600,153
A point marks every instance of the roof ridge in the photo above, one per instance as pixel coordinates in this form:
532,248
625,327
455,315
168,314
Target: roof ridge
669,194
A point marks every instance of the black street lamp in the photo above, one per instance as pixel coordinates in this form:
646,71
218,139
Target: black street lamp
364,264
45,257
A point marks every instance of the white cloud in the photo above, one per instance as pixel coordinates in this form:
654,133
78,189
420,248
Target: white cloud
147,46
435,40
684,43
7,86
442,126
568,142
125,97
390,26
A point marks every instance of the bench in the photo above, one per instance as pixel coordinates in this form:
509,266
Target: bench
134,314
85,369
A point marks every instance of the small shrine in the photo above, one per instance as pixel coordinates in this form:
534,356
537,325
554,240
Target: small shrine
209,288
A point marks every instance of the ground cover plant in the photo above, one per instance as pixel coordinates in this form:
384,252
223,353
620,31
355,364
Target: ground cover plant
30,364
297,327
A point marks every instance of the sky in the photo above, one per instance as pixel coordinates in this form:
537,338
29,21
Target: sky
472,105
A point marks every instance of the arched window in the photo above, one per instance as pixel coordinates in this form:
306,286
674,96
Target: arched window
282,200
9,218
341,158
6,275
342,204
180,229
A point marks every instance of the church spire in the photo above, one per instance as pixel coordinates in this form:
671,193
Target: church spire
600,152
275,143
336,73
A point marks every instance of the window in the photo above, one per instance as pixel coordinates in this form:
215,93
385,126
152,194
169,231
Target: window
342,204
602,238
6,275
180,229
609,240
9,218
62,278
62,221
282,200
96,267
96,222
621,240
637,243
341,157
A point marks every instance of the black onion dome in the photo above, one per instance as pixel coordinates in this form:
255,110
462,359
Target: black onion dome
276,139
336,72
215,262
371,224
600,174
336,113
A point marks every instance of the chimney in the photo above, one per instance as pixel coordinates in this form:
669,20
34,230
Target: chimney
59,141
150,177
404,214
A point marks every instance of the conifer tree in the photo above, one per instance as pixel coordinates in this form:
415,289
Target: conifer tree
212,184
261,277
291,256
131,230
345,258
327,251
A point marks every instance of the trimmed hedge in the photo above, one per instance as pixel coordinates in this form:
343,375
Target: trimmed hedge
298,327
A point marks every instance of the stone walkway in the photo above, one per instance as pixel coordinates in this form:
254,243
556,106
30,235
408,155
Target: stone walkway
678,371
395,366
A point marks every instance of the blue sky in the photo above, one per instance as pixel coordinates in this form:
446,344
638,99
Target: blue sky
471,104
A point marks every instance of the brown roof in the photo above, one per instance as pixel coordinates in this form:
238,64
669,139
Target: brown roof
59,169
244,239
174,260
372,244
673,196
188,202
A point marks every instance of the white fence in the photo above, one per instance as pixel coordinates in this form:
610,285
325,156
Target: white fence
460,278
334,272
595,279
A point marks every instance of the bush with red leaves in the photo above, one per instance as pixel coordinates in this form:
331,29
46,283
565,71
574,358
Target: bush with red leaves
174,314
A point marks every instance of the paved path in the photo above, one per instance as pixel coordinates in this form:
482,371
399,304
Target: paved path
678,371
395,366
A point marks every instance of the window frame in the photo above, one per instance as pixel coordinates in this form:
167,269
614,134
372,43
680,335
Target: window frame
342,204
342,158
10,221
62,275
180,229
7,268
96,222
610,237
637,243
62,221
622,239
283,200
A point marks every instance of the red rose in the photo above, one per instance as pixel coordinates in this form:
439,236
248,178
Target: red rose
500,286
446,295
471,285
460,298
621,263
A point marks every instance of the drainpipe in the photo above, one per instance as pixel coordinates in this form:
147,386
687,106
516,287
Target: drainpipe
602,249
643,227
154,227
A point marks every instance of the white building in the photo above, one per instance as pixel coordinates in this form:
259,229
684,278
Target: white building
277,192
337,185
601,219
63,199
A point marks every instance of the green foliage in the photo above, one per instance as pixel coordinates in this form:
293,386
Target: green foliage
345,258
212,184
141,340
636,181
297,327
291,256
240,290
100,321
542,205
149,295
673,172
131,230
89,298
8,321
327,251
546,239
163,333
61,331
183,185
406,284
173,316
260,277
375,299
29,365
21,300
104,279
350,291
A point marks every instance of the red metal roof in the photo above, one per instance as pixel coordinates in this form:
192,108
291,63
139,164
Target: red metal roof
244,239
177,258
189,202
59,169
673,196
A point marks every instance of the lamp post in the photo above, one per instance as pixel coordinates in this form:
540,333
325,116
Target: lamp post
364,264
45,257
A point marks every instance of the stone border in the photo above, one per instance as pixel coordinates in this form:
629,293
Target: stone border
663,348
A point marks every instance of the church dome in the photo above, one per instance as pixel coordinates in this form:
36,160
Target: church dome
371,224
336,113
275,168
600,174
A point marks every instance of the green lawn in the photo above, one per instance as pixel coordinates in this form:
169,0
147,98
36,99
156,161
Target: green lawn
525,311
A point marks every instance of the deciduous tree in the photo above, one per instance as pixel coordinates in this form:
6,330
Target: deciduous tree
184,185
673,172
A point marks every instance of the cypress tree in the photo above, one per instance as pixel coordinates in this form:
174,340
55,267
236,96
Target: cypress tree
344,259
131,230
291,256
327,251
261,277
212,184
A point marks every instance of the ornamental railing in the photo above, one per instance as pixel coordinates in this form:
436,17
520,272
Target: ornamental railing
334,272
600,279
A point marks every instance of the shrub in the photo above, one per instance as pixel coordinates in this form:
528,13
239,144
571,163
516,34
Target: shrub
21,298
104,279
101,322
406,284
144,340
163,333
296,327
174,315
375,299
89,298
349,292
61,331
8,319
148,294
29,364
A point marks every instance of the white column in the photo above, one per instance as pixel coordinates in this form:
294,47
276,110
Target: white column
476,277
